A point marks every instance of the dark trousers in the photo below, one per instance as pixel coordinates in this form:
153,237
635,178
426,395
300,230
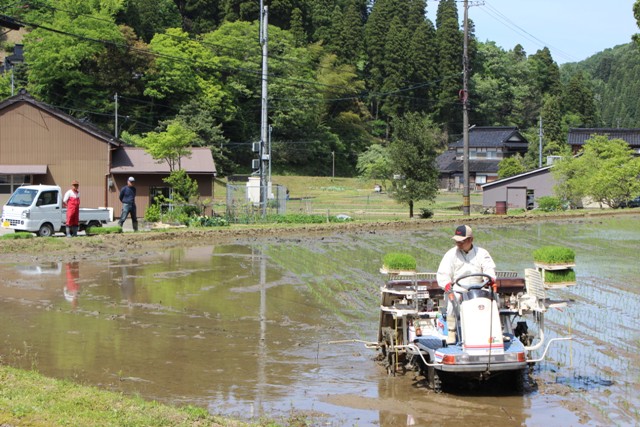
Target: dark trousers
129,209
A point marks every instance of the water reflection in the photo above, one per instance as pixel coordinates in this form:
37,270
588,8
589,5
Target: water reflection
241,328
128,274
71,287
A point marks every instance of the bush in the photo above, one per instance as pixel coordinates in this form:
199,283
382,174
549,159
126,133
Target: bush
399,261
208,221
426,213
550,204
152,214
554,255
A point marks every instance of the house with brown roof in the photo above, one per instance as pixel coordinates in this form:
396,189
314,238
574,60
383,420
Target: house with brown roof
40,144
488,145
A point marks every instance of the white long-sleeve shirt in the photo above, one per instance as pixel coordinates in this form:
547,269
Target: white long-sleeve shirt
456,263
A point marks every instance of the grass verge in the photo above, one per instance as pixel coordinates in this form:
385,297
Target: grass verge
28,398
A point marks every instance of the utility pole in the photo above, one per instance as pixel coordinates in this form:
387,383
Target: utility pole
333,164
264,149
115,97
466,203
540,144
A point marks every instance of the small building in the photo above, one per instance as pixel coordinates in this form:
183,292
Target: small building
519,191
487,147
40,144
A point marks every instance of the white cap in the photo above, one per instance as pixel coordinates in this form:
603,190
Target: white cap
132,179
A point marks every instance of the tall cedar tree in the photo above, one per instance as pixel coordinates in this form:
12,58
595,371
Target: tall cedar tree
449,42
422,67
395,67
350,46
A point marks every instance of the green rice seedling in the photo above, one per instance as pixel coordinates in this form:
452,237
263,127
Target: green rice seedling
399,261
560,276
554,255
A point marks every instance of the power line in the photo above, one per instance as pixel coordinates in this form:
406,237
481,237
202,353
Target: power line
504,20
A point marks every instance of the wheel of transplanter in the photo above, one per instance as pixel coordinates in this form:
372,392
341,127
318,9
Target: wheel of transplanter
391,364
433,380
519,380
46,230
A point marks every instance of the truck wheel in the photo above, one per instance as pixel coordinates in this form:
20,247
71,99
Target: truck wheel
94,223
46,230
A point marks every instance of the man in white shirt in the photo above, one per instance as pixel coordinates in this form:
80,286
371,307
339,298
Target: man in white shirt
461,260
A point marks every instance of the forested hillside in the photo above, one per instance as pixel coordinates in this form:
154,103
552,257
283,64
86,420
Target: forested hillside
339,73
615,75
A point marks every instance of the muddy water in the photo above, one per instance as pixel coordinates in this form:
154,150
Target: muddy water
265,327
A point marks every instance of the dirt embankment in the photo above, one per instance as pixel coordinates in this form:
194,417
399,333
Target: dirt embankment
149,243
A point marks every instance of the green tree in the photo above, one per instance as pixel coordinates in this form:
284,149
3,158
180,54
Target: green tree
350,45
374,163
636,14
184,188
148,17
395,66
63,65
578,98
423,67
511,166
170,145
607,172
185,69
546,72
449,43
413,151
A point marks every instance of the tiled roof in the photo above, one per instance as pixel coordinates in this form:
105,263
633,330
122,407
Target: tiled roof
128,160
578,136
476,166
492,136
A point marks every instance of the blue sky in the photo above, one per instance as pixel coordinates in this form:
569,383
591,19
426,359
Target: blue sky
572,29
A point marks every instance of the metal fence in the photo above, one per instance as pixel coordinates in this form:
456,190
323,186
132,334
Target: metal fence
244,205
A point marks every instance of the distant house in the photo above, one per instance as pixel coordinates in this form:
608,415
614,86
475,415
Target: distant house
578,136
40,144
487,147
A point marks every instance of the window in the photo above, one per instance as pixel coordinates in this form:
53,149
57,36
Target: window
47,198
481,179
9,183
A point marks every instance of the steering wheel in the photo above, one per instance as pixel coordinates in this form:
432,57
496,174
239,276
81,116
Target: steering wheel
485,282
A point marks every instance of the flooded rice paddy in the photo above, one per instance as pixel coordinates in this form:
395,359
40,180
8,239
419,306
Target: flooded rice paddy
267,327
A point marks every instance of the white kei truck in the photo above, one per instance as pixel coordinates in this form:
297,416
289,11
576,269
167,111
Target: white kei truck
38,209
